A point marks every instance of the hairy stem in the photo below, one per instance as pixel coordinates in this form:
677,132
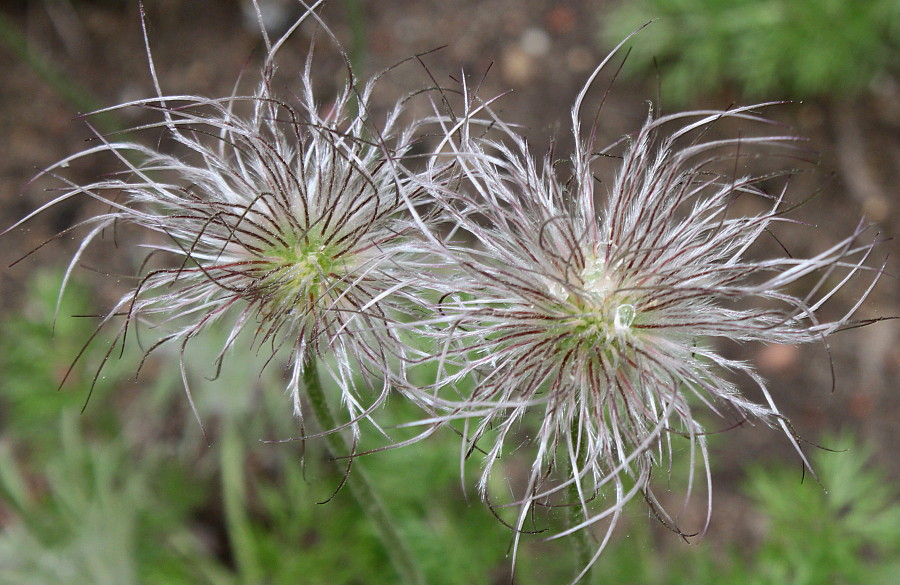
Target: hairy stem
584,546
361,487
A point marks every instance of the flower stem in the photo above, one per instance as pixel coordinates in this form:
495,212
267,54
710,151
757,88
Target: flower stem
584,547
361,487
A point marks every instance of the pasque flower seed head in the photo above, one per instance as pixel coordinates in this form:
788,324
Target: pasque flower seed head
284,217
583,315
578,317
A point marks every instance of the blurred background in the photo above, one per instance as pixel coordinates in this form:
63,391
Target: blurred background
124,489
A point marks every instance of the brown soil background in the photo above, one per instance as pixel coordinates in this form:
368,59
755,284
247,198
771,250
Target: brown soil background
543,52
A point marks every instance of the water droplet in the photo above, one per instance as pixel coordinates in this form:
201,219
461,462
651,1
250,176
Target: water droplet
557,291
624,316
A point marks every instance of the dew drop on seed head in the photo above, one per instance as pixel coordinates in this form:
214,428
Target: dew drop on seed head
624,316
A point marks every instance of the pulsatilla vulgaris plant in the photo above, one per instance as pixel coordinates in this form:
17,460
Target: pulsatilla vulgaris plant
580,317
583,314
286,218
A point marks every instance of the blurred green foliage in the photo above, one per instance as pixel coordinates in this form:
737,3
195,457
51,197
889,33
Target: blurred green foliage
846,530
768,49
131,493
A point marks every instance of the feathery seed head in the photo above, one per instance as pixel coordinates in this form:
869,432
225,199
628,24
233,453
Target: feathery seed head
584,317
283,221
587,323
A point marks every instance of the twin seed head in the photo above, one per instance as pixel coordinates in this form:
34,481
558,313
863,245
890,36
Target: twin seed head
584,326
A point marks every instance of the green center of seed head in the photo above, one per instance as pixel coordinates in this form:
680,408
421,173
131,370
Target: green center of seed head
604,315
300,271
